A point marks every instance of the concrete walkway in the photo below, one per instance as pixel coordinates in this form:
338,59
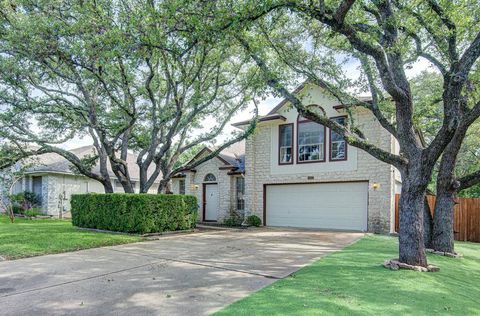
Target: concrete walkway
195,274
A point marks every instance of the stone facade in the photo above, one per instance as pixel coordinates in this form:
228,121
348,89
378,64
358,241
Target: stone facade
262,164
262,167
194,185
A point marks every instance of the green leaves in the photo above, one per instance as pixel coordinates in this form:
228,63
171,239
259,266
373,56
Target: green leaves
134,213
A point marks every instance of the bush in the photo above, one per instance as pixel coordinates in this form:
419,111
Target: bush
24,201
33,212
134,213
233,219
254,220
18,209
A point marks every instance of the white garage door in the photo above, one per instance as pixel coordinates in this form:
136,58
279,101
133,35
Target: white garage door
318,205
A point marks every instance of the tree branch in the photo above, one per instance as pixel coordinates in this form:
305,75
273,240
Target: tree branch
351,138
469,180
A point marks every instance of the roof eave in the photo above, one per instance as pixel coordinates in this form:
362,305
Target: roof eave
262,119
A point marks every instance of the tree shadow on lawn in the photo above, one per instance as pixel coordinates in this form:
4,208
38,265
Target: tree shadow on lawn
353,282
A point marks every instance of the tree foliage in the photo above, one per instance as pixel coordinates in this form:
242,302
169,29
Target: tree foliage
384,38
121,72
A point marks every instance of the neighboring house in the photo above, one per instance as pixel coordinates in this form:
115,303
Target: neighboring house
53,180
299,173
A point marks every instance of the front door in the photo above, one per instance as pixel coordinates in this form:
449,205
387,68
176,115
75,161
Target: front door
211,202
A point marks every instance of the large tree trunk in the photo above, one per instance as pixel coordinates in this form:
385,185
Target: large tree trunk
124,180
447,186
427,224
164,186
107,186
127,186
411,242
143,178
443,236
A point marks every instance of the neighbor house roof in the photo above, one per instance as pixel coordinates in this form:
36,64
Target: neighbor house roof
54,163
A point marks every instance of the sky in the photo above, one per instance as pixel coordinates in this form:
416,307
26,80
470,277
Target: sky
266,105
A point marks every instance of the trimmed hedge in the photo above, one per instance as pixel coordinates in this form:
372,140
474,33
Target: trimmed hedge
134,213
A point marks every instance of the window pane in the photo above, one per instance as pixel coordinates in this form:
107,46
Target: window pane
285,143
181,188
338,145
311,137
286,135
240,193
240,185
338,150
285,154
209,177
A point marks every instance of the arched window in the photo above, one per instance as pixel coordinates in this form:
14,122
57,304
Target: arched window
210,178
317,109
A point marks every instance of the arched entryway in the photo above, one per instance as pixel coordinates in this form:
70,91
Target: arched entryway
210,198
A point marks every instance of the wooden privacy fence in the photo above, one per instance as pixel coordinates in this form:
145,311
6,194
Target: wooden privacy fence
466,224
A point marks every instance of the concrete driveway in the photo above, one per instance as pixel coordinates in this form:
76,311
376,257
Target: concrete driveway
194,274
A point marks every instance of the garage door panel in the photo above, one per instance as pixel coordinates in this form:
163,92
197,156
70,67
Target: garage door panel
320,205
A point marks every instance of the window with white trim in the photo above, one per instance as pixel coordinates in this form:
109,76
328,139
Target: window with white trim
311,141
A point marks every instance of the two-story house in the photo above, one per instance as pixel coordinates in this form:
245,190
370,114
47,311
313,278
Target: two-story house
295,172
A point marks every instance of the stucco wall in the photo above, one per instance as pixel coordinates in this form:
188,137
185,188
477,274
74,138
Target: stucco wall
57,190
262,164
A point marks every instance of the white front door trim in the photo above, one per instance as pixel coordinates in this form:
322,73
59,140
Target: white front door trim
210,202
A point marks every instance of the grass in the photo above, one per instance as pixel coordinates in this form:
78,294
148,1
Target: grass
353,282
27,238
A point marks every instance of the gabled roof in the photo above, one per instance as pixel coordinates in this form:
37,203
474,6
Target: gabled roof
285,101
233,157
301,87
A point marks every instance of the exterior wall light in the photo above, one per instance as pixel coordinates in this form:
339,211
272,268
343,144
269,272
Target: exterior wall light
376,186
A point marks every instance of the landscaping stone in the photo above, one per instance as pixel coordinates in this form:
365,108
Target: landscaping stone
394,264
446,254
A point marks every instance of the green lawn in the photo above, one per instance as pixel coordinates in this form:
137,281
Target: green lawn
27,238
353,282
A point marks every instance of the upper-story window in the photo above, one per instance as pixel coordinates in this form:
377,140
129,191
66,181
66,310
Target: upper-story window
310,139
285,144
181,186
338,145
209,178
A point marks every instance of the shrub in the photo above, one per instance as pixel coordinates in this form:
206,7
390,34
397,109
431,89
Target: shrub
18,209
233,219
32,199
134,213
24,201
33,212
254,220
